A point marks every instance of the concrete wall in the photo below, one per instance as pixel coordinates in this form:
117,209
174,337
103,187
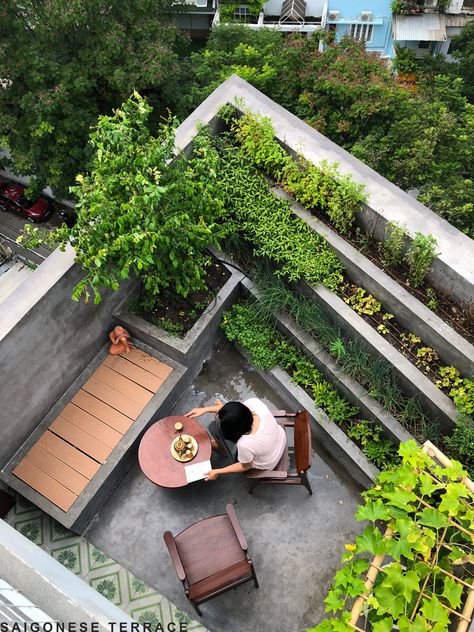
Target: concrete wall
46,341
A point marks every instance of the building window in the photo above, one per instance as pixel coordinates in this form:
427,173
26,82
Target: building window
362,32
423,44
242,13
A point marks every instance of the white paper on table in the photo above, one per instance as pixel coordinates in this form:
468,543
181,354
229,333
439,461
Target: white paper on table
196,471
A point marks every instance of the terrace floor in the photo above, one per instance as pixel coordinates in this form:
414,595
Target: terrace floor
295,540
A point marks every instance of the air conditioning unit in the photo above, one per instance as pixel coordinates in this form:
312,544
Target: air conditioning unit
366,16
334,15
431,4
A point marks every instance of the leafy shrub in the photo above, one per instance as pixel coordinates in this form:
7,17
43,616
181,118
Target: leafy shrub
272,228
319,187
420,255
460,444
392,247
363,303
377,448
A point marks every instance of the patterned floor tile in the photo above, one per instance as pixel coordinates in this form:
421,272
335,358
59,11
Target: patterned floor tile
138,589
32,527
108,585
149,614
97,559
70,556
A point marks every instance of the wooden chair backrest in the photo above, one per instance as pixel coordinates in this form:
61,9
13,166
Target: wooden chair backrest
303,451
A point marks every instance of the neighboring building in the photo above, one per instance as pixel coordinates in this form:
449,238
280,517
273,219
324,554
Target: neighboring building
305,16
365,20
426,27
195,17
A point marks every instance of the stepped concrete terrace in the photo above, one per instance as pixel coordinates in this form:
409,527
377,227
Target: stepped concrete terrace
295,540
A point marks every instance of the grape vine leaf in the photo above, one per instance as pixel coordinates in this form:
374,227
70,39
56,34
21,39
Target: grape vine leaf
371,541
401,498
418,625
384,625
333,602
452,592
433,518
399,547
427,485
389,601
373,510
434,610
450,500
406,583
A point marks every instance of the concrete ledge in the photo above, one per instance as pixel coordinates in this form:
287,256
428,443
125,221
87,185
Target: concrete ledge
453,270
413,380
198,341
334,440
116,465
412,313
354,392
52,587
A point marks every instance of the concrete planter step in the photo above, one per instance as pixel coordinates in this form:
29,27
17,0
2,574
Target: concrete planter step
452,348
196,345
334,440
412,379
352,390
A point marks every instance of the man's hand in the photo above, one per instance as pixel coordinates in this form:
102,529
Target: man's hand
211,475
196,412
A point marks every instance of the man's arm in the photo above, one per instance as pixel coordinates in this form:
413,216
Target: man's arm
235,468
197,412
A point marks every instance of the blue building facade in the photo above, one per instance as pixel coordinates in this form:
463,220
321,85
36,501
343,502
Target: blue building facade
366,20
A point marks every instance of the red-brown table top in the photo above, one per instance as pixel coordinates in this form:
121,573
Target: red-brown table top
154,455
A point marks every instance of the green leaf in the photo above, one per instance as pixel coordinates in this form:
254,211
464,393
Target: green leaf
384,625
389,601
404,582
434,611
452,591
417,625
399,547
401,498
370,541
373,510
450,500
432,518
333,601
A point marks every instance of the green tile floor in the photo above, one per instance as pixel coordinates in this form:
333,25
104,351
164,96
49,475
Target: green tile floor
113,581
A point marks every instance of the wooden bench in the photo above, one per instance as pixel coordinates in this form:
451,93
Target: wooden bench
71,451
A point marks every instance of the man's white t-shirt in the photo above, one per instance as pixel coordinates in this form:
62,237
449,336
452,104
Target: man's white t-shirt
263,448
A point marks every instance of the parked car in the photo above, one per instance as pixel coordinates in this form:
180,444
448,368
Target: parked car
12,198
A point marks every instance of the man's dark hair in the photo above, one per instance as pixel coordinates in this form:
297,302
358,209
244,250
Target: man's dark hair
236,420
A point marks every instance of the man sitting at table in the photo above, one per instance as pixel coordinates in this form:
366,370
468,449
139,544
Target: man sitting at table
259,439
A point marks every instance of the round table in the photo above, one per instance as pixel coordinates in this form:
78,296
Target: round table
154,455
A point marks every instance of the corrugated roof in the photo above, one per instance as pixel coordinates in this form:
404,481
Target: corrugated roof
457,20
428,27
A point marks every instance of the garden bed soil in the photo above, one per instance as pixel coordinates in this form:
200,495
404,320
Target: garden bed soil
176,314
461,320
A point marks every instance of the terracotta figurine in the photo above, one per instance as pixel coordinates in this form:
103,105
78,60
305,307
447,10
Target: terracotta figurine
120,339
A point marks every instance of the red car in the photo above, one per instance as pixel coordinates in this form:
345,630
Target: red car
12,199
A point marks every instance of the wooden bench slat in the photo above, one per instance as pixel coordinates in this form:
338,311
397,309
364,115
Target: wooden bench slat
145,361
80,439
61,472
112,397
133,372
68,454
92,425
45,484
102,411
123,385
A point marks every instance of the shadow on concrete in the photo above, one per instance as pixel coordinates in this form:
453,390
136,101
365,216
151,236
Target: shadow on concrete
295,540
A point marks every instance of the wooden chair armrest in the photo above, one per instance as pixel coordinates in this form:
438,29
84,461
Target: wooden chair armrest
283,413
236,525
173,551
286,424
254,473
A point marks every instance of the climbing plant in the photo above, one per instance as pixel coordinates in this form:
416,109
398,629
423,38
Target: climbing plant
420,517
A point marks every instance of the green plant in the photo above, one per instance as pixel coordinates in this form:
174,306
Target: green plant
420,255
377,448
405,59
449,377
397,6
320,187
416,512
382,328
394,243
425,357
363,303
269,225
432,302
463,396
460,444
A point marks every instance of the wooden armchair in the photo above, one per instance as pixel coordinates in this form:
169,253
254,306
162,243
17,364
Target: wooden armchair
281,475
210,557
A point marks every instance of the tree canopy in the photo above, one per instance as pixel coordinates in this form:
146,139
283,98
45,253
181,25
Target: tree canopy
142,213
65,62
